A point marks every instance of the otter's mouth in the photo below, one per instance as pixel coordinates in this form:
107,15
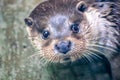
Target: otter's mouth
70,34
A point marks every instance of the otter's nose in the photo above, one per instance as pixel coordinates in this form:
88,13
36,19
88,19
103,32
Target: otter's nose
63,47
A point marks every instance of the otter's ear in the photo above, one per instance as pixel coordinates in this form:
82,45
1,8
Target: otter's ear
104,0
28,21
81,6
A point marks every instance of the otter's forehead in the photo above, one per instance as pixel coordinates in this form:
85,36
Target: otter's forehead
59,25
52,7
58,20
56,14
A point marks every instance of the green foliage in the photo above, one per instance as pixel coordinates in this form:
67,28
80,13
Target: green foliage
17,61
15,48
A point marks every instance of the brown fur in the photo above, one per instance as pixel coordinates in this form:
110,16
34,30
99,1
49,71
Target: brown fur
99,25
44,12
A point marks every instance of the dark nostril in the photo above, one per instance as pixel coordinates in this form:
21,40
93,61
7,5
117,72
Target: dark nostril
69,43
56,47
63,47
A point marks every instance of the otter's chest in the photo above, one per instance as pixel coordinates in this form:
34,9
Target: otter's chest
76,71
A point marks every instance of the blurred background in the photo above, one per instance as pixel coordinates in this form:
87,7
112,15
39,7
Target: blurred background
15,48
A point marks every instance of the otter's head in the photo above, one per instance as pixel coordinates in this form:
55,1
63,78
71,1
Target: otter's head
62,29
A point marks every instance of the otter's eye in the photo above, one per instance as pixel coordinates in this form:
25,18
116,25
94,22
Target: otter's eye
28,21
45,34
75,28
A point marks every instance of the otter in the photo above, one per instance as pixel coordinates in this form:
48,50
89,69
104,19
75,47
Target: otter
73,33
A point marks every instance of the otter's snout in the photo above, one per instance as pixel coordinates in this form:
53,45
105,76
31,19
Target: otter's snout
63,46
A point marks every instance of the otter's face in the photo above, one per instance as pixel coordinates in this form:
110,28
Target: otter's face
60,31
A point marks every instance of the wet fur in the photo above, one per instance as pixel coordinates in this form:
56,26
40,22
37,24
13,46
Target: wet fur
100,25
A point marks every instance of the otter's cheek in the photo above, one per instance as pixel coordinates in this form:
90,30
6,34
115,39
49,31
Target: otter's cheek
48,52
79,44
